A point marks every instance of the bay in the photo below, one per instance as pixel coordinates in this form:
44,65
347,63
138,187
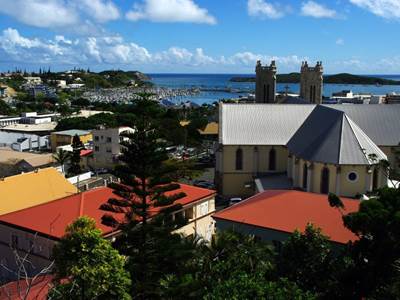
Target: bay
215,87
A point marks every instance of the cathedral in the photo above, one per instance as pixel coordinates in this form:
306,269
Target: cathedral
311,83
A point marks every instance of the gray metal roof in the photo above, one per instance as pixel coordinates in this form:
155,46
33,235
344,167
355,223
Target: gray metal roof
260,124
330,136
73,132
275,124
381,122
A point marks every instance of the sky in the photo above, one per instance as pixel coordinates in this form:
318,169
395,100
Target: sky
201,36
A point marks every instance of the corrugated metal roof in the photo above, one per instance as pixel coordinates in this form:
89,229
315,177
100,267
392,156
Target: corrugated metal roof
379,121
275,124
260,124
330,136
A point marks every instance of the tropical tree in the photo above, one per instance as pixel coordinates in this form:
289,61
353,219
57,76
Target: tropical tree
62,156
145,186
86,265
306,259
75,158
374,254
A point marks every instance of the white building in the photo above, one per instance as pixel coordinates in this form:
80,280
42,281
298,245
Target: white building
106,146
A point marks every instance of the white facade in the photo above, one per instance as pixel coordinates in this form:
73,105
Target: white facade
106,146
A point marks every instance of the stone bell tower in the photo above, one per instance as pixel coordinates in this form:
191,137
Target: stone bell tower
265,83
311,82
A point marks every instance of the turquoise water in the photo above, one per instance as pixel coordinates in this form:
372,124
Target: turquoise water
216,84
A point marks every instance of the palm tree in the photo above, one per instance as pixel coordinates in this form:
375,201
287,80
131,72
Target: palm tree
62,156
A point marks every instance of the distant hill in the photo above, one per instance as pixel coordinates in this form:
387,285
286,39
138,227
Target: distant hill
342,78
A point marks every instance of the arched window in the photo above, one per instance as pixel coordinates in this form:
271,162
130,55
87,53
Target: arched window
305,177
325,181
264,93
239,159
272,160
375,176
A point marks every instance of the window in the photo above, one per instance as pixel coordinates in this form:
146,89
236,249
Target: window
96,138
305,177
109,140
14,241
189,213
96,148
108,150
325,181
375,179
239,159
352,176
272,160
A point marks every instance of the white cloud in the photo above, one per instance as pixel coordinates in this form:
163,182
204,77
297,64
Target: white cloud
110,51
316,10
102,11
77,16
40,13
261,8
170,11
340,41
389,9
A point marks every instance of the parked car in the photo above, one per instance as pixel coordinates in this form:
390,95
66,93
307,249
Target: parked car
234,201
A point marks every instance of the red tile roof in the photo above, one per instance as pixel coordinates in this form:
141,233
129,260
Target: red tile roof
39,289
51,218
288,210
86,152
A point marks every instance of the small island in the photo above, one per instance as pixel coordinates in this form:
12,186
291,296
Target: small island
342,78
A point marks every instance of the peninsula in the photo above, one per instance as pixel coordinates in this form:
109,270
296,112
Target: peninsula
342,78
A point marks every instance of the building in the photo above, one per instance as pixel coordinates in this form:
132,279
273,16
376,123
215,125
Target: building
8,120
33,80
34,188
3,91
43,225
265,83
24,142
311,82
318,148
106,146
13,162
40,129
274,215
392,98
62,138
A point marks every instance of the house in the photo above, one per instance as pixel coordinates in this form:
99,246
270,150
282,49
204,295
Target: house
61,138
318,148
33,188
23,141
35,288
39,227
14,162
274,215
106,146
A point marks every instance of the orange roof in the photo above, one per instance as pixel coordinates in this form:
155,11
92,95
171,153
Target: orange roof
39,288
30,189
288,210
52,218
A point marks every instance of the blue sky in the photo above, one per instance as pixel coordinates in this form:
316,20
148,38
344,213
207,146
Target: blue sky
201,36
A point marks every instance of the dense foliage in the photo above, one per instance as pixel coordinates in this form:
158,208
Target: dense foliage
87,266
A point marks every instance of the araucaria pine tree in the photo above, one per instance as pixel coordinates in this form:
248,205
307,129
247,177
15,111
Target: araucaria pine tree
75,159
145,178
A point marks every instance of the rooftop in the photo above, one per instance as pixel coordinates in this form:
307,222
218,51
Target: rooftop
330,136
34,188
8,155
51,218
72,132
31,127
275,124
288,210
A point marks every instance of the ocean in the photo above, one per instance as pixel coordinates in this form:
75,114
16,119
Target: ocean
215,86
